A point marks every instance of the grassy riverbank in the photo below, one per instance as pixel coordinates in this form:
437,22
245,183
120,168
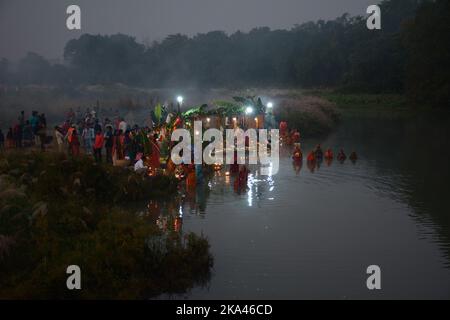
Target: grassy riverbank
349,103
56,212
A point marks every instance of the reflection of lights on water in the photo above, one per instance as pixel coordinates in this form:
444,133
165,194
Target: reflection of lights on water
250,183
180,211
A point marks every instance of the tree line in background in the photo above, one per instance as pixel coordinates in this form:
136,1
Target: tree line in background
410,54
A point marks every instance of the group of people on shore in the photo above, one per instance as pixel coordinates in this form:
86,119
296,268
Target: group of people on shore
110,141
26,132
115,140
83,132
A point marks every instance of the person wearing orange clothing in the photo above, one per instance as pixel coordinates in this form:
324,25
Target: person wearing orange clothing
98,145
68,136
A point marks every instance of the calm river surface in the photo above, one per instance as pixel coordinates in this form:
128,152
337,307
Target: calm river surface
301,234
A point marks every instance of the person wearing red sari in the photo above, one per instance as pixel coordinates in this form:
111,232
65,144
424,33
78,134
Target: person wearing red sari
155,154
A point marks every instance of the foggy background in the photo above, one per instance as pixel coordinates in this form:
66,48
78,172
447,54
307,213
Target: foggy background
40,26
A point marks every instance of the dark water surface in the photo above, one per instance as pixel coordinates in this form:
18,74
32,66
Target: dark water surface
301,234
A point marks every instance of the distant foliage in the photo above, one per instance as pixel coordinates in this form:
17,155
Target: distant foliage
339,53
426,38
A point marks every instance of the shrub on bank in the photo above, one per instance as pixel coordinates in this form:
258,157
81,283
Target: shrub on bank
56,212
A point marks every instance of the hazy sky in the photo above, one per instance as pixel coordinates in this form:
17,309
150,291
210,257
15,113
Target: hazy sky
40,25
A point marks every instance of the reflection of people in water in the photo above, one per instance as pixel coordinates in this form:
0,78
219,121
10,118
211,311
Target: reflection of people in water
353,157
329,156
191,180
240,182
311,161
199,173
311,165
297,166
177,224
201,196
234,167
341,156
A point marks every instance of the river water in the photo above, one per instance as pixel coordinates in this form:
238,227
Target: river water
303,234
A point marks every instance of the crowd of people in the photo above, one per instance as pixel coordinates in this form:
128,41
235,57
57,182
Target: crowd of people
25,132
109,140
114,141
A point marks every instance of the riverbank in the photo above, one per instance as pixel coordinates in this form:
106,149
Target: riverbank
311,113
349,103
56,212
